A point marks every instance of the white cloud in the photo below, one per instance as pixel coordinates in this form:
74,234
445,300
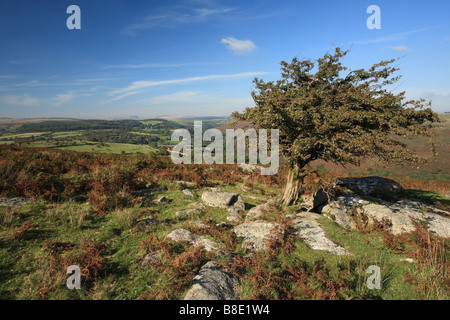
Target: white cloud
137,85
400,48
440,99
239,46
63,98
23,100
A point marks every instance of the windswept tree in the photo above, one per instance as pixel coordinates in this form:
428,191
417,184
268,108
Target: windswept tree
325,111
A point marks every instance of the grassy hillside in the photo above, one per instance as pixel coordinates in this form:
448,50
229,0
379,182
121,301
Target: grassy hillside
436,169
87,213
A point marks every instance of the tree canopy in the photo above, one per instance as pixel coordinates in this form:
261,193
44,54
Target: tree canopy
324,110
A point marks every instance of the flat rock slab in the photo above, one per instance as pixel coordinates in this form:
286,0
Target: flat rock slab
225,200
194,240
213,283
255,234
399,214
307,227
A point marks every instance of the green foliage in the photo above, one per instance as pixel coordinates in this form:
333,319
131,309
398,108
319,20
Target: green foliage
326,111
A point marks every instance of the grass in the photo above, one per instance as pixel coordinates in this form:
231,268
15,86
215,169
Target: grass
438,200
87,216
33,258
110,148
23,135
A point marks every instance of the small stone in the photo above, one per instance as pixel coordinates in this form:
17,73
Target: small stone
162,199
180,235
199,224
224,225
188,193
187,212
187,183
14,202
151,259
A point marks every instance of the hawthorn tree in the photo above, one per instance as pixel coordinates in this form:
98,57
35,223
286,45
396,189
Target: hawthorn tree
325,111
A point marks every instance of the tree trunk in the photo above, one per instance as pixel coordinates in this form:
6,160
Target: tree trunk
293,186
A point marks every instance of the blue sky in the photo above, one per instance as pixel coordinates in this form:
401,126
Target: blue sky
199,57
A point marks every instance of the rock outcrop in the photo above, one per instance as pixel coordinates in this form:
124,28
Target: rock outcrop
315,202
194,240
225,200
398,215
232,202
256,234
377,187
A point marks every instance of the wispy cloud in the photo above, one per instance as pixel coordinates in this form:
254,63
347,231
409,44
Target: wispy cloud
89,80
30,83
176,97
172,16
137,85
393,37
120,97
62,98
238,46
445,40
149,65
8,76
22,100
400,48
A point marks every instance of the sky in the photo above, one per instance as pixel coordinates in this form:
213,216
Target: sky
199,57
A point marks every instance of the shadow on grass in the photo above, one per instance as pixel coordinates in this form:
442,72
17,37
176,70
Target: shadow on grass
430,198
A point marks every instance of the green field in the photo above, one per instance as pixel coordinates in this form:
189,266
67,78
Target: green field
111,148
